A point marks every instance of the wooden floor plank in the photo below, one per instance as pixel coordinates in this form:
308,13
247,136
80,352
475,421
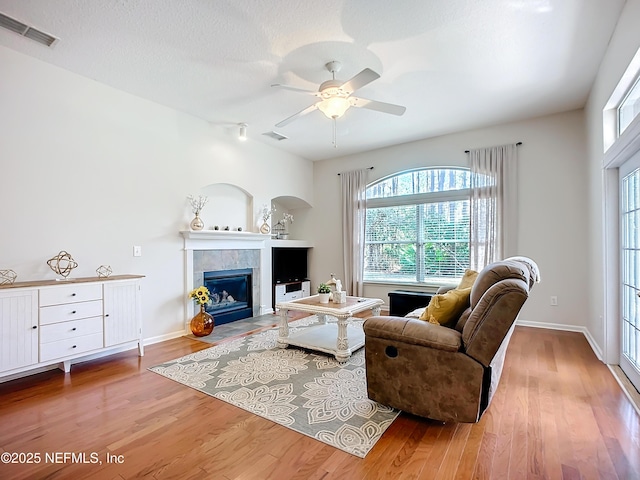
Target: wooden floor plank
422,451
557,413
453,455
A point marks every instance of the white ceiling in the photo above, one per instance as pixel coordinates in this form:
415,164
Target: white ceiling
455,64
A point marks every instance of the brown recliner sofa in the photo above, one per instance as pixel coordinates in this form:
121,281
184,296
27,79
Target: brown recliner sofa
449,374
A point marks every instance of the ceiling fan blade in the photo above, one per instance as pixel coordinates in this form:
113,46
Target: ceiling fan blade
290,119
379,106
363,78
295,89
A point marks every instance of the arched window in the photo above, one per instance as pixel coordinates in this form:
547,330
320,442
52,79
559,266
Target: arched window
417,227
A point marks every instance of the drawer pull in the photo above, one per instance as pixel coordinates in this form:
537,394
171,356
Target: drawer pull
73,294
73,346
106,314
34,327
73,329
73,311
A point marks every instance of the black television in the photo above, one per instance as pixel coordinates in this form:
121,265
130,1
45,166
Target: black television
289,264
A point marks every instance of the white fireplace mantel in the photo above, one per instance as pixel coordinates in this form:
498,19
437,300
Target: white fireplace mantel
223,240
234,240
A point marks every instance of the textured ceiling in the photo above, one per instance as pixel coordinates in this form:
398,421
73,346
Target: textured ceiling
455,64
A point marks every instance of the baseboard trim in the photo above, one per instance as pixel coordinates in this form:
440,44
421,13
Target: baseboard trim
165,337
626,386
567,328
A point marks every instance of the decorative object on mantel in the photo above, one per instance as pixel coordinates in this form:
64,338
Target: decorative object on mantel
7,277
202,323
279,231
216,227
286,218
104,271
226,229
266,215
197,205
62,264
324,292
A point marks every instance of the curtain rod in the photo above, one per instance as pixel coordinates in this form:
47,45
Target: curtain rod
368,168
517,145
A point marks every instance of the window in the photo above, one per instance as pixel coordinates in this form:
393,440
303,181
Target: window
417,227
629,107
623,106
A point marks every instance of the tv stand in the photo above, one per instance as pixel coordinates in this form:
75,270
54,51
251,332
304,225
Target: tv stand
288,291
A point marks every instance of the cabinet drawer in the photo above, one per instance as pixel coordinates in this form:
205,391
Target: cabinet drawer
70,293
70,346
292,296
72,329
71,311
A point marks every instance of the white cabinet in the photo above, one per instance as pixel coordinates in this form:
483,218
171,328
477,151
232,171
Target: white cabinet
70,321
279,292
59,322
18,329
285,292
122,313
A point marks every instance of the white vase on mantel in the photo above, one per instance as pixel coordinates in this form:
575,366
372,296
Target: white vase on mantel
197,224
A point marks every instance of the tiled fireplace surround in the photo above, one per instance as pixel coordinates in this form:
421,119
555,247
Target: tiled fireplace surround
222,250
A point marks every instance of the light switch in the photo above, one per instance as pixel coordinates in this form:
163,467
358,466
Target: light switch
137,251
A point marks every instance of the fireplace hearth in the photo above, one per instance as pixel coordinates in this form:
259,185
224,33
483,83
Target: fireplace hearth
231,294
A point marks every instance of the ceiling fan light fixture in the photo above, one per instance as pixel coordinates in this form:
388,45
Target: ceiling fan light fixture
334,107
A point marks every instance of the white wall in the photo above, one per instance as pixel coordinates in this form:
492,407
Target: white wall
622,47
552,192
92,170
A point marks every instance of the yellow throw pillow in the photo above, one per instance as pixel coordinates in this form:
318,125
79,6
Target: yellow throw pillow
447,307
468,279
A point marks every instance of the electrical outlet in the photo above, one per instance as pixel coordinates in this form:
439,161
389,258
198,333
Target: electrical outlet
137,251
554,301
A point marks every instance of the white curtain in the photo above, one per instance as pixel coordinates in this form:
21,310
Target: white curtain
354,209
493,205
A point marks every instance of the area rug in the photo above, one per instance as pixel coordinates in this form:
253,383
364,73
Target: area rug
305,391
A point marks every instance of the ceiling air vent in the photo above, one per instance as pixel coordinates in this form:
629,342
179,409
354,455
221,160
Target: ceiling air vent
275,135
26,31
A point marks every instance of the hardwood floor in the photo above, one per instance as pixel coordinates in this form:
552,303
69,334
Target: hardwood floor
558,414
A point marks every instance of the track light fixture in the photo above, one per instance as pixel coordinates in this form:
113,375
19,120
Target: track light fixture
243,132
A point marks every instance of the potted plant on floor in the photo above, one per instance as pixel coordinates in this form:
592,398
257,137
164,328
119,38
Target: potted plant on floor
324,291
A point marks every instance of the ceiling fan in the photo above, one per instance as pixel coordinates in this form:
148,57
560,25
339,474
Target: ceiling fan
335,96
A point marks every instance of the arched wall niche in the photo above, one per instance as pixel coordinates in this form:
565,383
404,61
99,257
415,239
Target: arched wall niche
290,203
296,207
228,206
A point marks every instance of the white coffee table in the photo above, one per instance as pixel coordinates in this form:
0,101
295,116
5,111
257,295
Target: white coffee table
328,337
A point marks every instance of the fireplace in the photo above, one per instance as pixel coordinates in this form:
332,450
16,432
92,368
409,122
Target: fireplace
231,294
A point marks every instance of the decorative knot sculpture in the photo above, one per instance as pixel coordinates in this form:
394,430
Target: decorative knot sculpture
7,277
62,264
104,271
